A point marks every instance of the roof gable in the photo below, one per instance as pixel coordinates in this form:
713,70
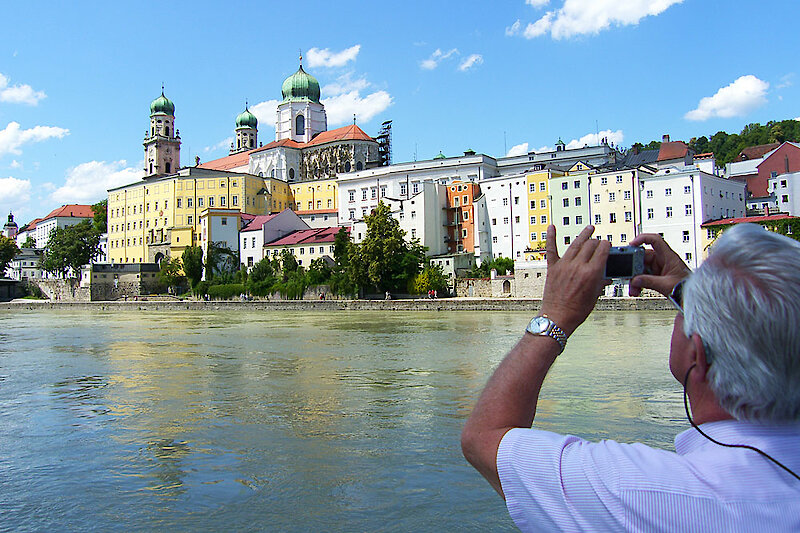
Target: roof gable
672,150
71,211
232,161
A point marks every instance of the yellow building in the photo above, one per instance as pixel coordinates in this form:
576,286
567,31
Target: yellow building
160,216
539,210
318,195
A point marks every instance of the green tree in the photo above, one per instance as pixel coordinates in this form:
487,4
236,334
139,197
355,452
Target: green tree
29,242
70,248
318,272
171,273
288,264
192,260
221,261
100,220
503,265
384,260
431,278
8,250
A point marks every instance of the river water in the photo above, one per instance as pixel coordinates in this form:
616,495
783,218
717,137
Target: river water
290,421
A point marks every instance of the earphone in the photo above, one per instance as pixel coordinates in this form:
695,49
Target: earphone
695,426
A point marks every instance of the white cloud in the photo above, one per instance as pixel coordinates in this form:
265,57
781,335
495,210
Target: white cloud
471,61
14,191
593,139
786,81
519,149
344,84
326,58
266,112
580,17
514,28
798,119
15,164
437,57
89,182
13,137
19,94
341,108
735,100
537,3
224,143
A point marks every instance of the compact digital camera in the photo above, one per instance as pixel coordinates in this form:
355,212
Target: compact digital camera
625,262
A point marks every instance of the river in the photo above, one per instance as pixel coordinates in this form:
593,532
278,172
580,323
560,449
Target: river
291,421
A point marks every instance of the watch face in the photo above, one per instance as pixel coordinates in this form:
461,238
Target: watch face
540,324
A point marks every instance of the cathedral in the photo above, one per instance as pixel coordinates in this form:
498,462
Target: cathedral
304,149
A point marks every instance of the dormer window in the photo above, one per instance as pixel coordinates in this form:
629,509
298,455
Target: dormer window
300,125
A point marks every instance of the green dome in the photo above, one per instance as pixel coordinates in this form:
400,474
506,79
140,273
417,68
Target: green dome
300,86
246,119
162,104
440,155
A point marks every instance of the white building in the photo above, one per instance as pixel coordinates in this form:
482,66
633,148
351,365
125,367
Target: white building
785,189
677,200
25,265
62,217
265,229
507,215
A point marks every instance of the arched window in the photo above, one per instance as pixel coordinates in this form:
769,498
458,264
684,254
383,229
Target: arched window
238,143
272,173
291,173
347,167
359,165
151,168
168,167
251,142
300,125
166,131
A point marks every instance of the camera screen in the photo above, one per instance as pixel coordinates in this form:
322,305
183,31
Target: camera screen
619,266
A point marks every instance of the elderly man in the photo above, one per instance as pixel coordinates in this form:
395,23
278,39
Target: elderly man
735,347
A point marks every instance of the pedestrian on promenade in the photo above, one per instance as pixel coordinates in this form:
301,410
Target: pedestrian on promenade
735,348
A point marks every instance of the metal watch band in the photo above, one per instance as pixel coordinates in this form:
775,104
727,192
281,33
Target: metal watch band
552,331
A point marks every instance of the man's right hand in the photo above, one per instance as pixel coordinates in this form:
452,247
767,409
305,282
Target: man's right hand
665,266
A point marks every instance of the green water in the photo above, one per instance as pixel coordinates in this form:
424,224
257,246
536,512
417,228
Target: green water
288,421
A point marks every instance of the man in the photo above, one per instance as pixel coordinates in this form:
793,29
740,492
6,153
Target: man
736,346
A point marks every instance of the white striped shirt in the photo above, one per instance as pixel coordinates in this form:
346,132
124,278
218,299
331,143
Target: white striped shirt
562,483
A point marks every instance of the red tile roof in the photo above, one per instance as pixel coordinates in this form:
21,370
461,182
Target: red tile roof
765,218
71,210
308,236
228,162
258,222
754,152
345,133
316,211
706,155
283,142
672,150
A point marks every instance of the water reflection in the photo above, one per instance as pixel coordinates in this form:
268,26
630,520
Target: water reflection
292,421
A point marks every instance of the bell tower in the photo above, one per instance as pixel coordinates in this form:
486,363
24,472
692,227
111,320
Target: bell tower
301,115
246,132
162,143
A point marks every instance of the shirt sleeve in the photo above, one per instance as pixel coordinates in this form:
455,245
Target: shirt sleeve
555,482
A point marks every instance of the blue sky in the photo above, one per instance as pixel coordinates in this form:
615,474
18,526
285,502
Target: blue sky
76,79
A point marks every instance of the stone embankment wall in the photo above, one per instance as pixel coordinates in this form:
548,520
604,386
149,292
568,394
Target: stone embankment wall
66,290
447,304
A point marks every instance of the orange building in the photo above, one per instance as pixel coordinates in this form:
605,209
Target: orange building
461,216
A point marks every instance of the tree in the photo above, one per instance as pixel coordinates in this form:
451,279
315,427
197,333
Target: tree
29,242
384,260
8,250
431,278
502,265
100,220
171,274
288,264
318,272
220,260
192,260
70,248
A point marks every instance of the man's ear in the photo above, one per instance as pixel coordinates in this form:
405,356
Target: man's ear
698,356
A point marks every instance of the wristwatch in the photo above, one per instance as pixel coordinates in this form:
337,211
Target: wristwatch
542,326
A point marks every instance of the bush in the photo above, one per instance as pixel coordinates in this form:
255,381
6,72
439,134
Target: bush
261,288
201,288
226,292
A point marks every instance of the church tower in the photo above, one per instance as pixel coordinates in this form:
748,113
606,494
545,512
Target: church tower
246,132
301,116
162,144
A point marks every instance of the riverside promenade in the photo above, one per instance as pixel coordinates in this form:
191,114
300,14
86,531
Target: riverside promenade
421,304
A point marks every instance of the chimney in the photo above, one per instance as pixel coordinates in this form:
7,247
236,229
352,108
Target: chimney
665,138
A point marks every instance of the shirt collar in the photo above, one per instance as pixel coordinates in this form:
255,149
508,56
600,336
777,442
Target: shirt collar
732,432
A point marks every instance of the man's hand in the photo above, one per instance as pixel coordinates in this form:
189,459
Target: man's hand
665,265
575,281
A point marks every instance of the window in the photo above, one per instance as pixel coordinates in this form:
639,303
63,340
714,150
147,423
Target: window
650,214
566,240
669,212
533,220
543,219
516,220
577,201
505,201
609,238
221,201
564,186
542,185
628,216
200,202
612,197
505,220
784,198
565,202
494,240
413,233
466,215
210,201
623,237
234,200
383,191
579,220
626,195
668,191
577,184
352,214
649,194
565,221
374,193
363,194
598,219
224,221
302,250
189,220
533,204
773,174
415,188
494,222
597,198
464,232
543,203
685,235
254,242
533,236
688,208
310,205
180,203
413,214
604,180
612,218
533,187
688,256
352,194
619,179
687,189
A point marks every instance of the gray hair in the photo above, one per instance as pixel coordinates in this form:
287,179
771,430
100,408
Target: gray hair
744,302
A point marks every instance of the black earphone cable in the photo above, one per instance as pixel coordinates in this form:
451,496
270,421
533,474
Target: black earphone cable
695,426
